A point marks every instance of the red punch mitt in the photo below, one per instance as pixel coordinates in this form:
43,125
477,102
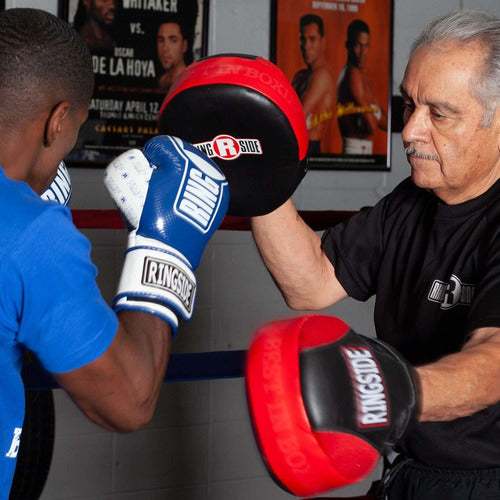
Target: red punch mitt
243,113
324,402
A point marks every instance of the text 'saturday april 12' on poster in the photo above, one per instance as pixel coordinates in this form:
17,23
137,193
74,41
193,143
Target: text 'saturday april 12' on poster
132,57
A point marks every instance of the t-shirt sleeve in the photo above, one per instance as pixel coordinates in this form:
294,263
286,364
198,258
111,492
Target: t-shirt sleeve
485,308
356,246
356,258
63,317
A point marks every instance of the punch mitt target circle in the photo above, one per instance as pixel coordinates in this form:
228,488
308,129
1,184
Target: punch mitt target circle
242,112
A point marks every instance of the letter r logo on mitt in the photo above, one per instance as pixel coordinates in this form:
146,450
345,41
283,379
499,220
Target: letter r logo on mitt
325,402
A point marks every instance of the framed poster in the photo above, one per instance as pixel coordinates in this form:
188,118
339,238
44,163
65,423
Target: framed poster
138,48
338,56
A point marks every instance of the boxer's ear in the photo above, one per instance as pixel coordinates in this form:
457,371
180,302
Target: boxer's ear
54,122
243,113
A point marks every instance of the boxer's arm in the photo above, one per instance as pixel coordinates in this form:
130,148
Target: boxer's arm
119,390
463,383
362,99
301,81
292,252
313,98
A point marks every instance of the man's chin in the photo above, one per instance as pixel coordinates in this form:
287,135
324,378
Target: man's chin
167,65
420,179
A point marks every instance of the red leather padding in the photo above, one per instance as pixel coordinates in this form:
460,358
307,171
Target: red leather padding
320,330
242,112
304,462
254,73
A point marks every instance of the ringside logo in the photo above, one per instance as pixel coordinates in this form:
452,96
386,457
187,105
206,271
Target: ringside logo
170,278
452,293
371,398
226,147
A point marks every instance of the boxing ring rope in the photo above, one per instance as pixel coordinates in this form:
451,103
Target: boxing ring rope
185,366
111,219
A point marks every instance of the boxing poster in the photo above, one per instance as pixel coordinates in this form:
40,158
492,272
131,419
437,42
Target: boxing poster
138,49
337,54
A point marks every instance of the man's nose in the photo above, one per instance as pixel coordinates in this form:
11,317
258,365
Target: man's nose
416,126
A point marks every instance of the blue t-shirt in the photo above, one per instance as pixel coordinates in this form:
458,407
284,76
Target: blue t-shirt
49,303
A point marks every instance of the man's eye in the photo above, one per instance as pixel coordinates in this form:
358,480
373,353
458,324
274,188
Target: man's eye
437,116
408,108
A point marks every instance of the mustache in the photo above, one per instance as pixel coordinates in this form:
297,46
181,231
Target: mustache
411,151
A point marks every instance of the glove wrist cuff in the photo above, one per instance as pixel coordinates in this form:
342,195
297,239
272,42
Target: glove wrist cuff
137,241
157,279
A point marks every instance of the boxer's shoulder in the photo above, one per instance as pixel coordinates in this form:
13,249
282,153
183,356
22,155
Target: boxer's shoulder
19,200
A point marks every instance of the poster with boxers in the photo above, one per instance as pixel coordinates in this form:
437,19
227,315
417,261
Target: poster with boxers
138,48
338,56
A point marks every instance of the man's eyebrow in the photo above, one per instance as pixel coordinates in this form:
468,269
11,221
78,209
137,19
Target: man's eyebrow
403,92
443,105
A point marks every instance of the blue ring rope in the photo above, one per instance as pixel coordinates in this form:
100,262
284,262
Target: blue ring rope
181,368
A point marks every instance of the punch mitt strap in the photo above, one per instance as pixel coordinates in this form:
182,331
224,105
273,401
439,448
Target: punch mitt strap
242,112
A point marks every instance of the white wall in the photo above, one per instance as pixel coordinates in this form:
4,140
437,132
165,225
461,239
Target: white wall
199,445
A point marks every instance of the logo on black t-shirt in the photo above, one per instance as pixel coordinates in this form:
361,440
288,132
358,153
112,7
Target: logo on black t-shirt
452,293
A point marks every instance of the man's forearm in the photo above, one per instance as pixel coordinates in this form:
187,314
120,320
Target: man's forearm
119,389
292,252
463,383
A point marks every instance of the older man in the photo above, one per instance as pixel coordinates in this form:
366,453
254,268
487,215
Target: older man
430,252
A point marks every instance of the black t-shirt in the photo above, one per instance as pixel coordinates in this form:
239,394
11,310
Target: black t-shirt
435,271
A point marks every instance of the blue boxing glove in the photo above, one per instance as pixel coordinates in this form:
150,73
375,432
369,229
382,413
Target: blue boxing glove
172,199
60,189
